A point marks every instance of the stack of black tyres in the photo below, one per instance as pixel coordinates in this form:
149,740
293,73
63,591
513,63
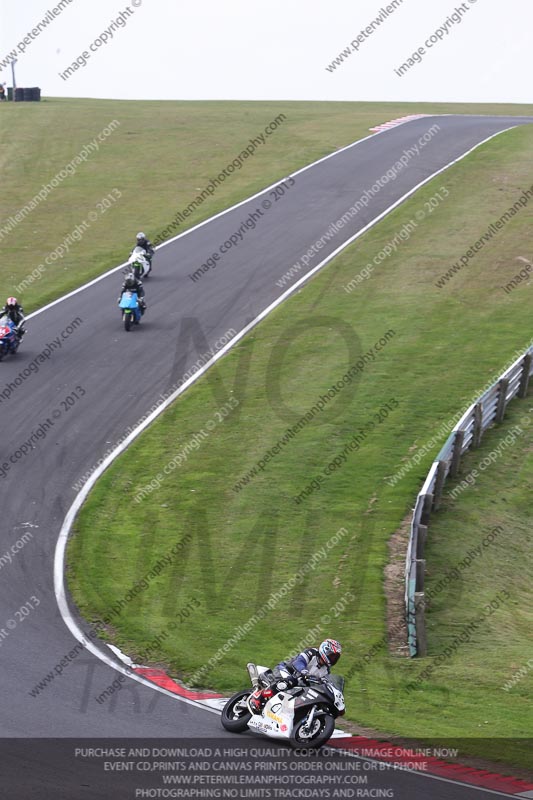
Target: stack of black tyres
22,94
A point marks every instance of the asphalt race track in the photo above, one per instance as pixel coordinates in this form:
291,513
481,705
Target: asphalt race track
114,377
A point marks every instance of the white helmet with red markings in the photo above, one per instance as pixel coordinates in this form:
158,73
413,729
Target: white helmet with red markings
330,651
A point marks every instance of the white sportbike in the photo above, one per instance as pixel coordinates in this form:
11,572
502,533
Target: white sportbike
304,715
140,262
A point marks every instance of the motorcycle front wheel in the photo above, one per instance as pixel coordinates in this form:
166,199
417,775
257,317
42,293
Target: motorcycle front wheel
127,321
318,734
235,714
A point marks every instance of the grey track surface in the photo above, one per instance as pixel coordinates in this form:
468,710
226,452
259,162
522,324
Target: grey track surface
99,356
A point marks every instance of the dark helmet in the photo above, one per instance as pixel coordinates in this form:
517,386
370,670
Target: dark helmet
330,651
130,282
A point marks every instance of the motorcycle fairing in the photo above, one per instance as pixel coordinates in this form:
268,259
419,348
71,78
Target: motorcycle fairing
277,723
129,300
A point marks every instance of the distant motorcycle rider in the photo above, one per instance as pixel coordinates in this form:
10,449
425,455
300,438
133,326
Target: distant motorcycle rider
143,242
314,661
14,311
133,284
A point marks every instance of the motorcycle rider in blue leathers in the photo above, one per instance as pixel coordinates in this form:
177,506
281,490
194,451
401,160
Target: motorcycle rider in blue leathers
314,662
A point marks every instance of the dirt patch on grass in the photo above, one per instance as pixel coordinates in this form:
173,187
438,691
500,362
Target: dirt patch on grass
395,590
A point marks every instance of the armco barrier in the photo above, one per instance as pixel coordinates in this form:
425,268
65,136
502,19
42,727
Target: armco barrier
487,410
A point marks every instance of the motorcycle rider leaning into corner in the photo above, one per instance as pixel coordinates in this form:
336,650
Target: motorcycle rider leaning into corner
14,311
133,284
314,662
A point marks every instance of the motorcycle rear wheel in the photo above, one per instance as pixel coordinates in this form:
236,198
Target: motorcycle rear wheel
321,730
234,718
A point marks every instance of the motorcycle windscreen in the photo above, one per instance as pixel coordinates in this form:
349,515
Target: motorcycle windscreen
337,681
128,300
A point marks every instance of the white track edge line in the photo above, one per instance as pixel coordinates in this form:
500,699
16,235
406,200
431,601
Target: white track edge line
59,555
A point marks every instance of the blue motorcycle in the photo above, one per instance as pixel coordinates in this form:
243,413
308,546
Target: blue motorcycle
9,340
131,310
